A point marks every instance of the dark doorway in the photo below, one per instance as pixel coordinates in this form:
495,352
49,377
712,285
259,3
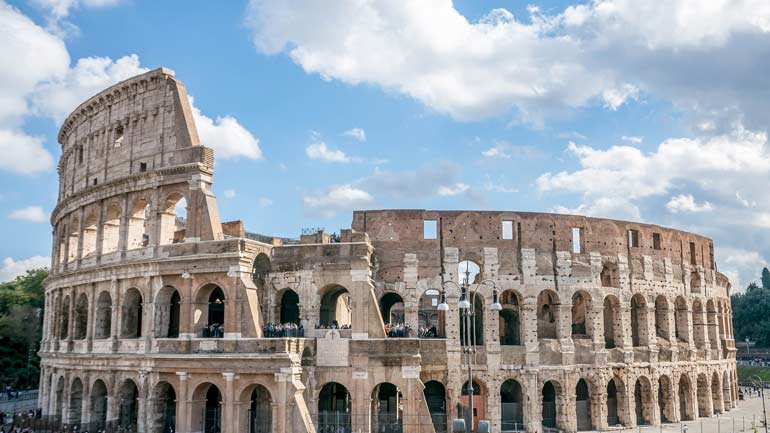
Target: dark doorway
290,307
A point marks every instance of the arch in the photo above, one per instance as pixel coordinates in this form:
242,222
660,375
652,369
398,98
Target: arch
681,319
581,302
131,324
290,307
89,235
111,229
258,416
334,406
684,392
210,305
65,318
583,406
510,318
550,414
613,329
81,317
609,275
476,321
173,219
661,318
511,406
712,327
468,272
98,407
704,396
479,403
547,302
430,320
103,322
613,395
260,272
167,312
138,224
207,413
392,308
162,416
128,406
639,324
336,307
435,397
716,393
73,239
666,399
386,408
698,325
308,359
643,401
75,407
695,282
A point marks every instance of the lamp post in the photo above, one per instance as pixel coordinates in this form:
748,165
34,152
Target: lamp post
756,380
468,317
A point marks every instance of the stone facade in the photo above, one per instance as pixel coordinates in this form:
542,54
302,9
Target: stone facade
602,322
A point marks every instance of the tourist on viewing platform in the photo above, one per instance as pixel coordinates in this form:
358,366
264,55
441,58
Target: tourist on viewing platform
283,330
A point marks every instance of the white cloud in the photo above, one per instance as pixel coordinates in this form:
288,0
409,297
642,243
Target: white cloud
357,133
230,193
615,97
451,190
228,138
741,266
59,10
634,139
687,203
424,182
31,213
324,153
23,154
496,152
336,199
12,268
265,202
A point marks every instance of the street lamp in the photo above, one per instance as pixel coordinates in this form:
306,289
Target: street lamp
468,316
758,380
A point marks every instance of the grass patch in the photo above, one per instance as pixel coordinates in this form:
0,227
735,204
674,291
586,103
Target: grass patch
746,371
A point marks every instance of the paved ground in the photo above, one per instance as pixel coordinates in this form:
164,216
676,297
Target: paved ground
736,420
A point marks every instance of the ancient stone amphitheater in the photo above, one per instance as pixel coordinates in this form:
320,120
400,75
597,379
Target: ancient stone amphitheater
156,310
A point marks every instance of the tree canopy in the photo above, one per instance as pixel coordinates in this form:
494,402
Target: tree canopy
751,312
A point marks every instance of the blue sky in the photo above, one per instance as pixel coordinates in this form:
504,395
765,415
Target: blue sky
604,108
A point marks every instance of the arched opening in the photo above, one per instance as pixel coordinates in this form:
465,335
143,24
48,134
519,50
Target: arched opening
392,308
259,417
665,399
643,401
547,302
75,408
681,320
713,330
103,323
704,396
475,321
290,307
509,319
550,418
716,393
336,308
661,318
334,408
61,257
609,275
163,409
260,272
386,412
173,219
138,225
65,318
612,404
81,317
511,410
479,405
89,235
209,316
431,320
128,407
435,397
639,321
695,286
613,330
308,359
111,229
698,325
468,272
580,307
685,404
73,239
98,407
167,311
583,406
207,415
131,326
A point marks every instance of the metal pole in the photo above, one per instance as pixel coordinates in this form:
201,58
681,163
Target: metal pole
470,369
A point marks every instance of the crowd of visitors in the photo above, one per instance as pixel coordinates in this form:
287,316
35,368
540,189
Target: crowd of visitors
428,332
214,330
333,325
283,330
18,421
398,330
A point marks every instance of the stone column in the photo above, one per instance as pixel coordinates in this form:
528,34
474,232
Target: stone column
85,407
91,318
115,316
125,218
533,416
142,401
564,333
228,413
183,403
99,232
599,406
79,254
71,319
529,333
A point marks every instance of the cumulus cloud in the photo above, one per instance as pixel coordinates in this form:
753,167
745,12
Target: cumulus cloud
635,139
24,154
423,182
12,268
322,152
336,199
228,138
357,133
451,190
687,203
58,10
30,213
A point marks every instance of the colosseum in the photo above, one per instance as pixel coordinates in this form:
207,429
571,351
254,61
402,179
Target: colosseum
162,318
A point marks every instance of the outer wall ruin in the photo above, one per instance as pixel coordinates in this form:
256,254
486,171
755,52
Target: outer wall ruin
602,323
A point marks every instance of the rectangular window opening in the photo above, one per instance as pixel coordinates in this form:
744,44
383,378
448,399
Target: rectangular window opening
656,241
576,248
142,167
430,229
95,181
507,230
692,253
633,238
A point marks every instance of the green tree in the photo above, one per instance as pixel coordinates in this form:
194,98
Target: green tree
751,314
765,278
21,324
